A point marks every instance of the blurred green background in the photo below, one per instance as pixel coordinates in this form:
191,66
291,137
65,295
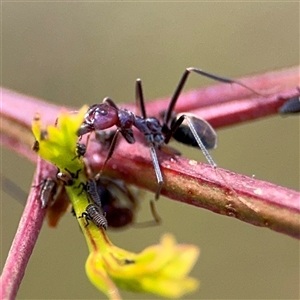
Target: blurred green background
78,53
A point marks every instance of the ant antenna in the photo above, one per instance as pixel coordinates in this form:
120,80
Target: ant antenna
183,80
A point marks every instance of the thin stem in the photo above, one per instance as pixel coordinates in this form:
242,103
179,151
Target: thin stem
25,238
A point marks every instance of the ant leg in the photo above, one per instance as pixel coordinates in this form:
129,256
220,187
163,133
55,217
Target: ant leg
73,175
83,187
109,154
156,218
87,140
139,97
183,80
154,212
157,170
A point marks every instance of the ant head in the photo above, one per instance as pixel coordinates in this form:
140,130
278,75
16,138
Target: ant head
98,117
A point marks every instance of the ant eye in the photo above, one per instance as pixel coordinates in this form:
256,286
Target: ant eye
102,112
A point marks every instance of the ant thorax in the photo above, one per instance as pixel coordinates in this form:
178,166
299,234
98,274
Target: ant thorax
151,129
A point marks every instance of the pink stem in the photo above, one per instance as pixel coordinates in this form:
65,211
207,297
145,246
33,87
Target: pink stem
25,238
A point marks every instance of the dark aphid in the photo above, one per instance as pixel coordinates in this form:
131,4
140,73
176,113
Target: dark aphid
49,196
92,191
36,146
80,150
48,191
94,213
118,201
292,106
107,114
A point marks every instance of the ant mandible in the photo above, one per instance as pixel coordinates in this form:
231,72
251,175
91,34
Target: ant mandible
199,133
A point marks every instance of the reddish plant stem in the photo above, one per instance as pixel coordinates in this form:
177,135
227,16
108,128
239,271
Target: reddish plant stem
25,238
257,202
275,87
253,201
234,112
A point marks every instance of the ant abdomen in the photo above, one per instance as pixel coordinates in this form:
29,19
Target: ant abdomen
205,131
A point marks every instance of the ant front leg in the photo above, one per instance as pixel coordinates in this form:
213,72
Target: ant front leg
141,104
109,154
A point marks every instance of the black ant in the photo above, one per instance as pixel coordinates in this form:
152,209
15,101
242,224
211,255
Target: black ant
48,191
197,132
